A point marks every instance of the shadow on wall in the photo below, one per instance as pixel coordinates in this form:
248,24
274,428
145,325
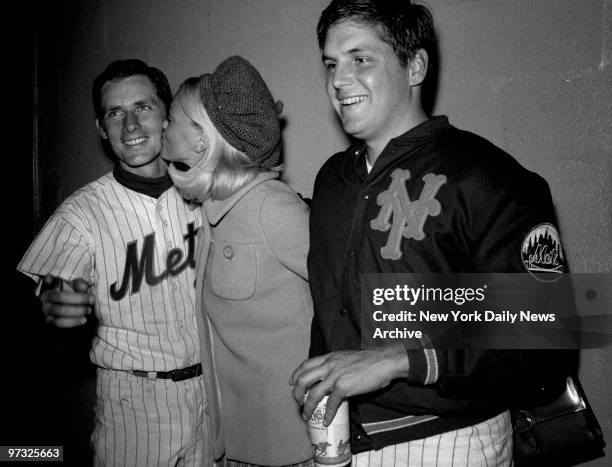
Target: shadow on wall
51,391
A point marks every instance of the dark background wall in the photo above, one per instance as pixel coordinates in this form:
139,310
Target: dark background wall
533,76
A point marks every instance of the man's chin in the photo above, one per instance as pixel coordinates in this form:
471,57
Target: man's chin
139,160
352,127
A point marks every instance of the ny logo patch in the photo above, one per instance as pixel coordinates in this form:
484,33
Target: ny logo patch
408,216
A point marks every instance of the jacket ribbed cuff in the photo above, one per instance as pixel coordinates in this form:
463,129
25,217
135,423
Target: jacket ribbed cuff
424,366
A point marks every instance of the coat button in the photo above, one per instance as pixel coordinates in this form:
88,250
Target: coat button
228,252
343,311
365,196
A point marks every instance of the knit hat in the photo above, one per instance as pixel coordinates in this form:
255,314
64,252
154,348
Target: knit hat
242,109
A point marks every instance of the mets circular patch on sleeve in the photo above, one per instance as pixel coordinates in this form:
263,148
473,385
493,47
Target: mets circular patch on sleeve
542,253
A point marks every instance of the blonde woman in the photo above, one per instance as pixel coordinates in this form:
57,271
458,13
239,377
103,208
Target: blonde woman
223,143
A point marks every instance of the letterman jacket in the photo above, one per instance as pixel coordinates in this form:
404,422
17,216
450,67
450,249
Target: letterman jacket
487,205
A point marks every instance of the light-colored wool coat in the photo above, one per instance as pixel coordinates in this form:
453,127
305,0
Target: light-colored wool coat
257,306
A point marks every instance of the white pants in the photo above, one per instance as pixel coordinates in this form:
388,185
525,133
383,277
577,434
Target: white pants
488,443
143,422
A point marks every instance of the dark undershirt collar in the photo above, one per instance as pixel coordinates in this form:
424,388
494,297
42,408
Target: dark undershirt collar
152,187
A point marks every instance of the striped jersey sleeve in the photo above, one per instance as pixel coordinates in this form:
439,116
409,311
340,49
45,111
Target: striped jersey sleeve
63,248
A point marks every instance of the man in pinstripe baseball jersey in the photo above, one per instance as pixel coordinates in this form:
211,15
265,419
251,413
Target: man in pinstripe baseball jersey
412,194
132,237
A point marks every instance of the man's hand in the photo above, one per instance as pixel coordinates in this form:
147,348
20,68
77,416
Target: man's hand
344,374
64,304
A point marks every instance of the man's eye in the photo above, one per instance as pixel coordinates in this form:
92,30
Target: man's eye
362,60
145,107
329,66
113,114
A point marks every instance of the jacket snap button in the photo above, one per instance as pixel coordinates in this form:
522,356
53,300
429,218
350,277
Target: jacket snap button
228,252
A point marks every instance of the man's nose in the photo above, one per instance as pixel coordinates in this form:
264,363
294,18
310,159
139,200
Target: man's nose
342,76
130,122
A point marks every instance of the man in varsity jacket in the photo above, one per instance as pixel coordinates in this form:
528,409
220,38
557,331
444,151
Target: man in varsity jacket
132,238
413,194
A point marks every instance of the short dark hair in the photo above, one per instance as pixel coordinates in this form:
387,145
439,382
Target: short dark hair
120,69
405,26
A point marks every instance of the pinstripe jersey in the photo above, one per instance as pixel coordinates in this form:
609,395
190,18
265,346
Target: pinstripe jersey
137,253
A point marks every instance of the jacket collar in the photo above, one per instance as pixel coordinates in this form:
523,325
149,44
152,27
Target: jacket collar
216,209
423,130
396,147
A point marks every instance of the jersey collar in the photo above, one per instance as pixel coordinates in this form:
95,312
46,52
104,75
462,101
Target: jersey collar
152,187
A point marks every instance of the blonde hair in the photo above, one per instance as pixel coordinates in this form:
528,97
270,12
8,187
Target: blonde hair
223,170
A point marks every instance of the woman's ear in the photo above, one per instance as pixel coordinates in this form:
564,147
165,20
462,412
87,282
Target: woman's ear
200,145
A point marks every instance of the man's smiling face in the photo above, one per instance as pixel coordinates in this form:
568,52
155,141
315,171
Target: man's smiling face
133,120
366,83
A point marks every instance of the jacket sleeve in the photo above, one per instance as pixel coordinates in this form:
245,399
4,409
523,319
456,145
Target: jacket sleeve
284,223
516,376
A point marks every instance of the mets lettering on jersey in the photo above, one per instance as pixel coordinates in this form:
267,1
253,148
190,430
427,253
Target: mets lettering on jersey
136,267
137,252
